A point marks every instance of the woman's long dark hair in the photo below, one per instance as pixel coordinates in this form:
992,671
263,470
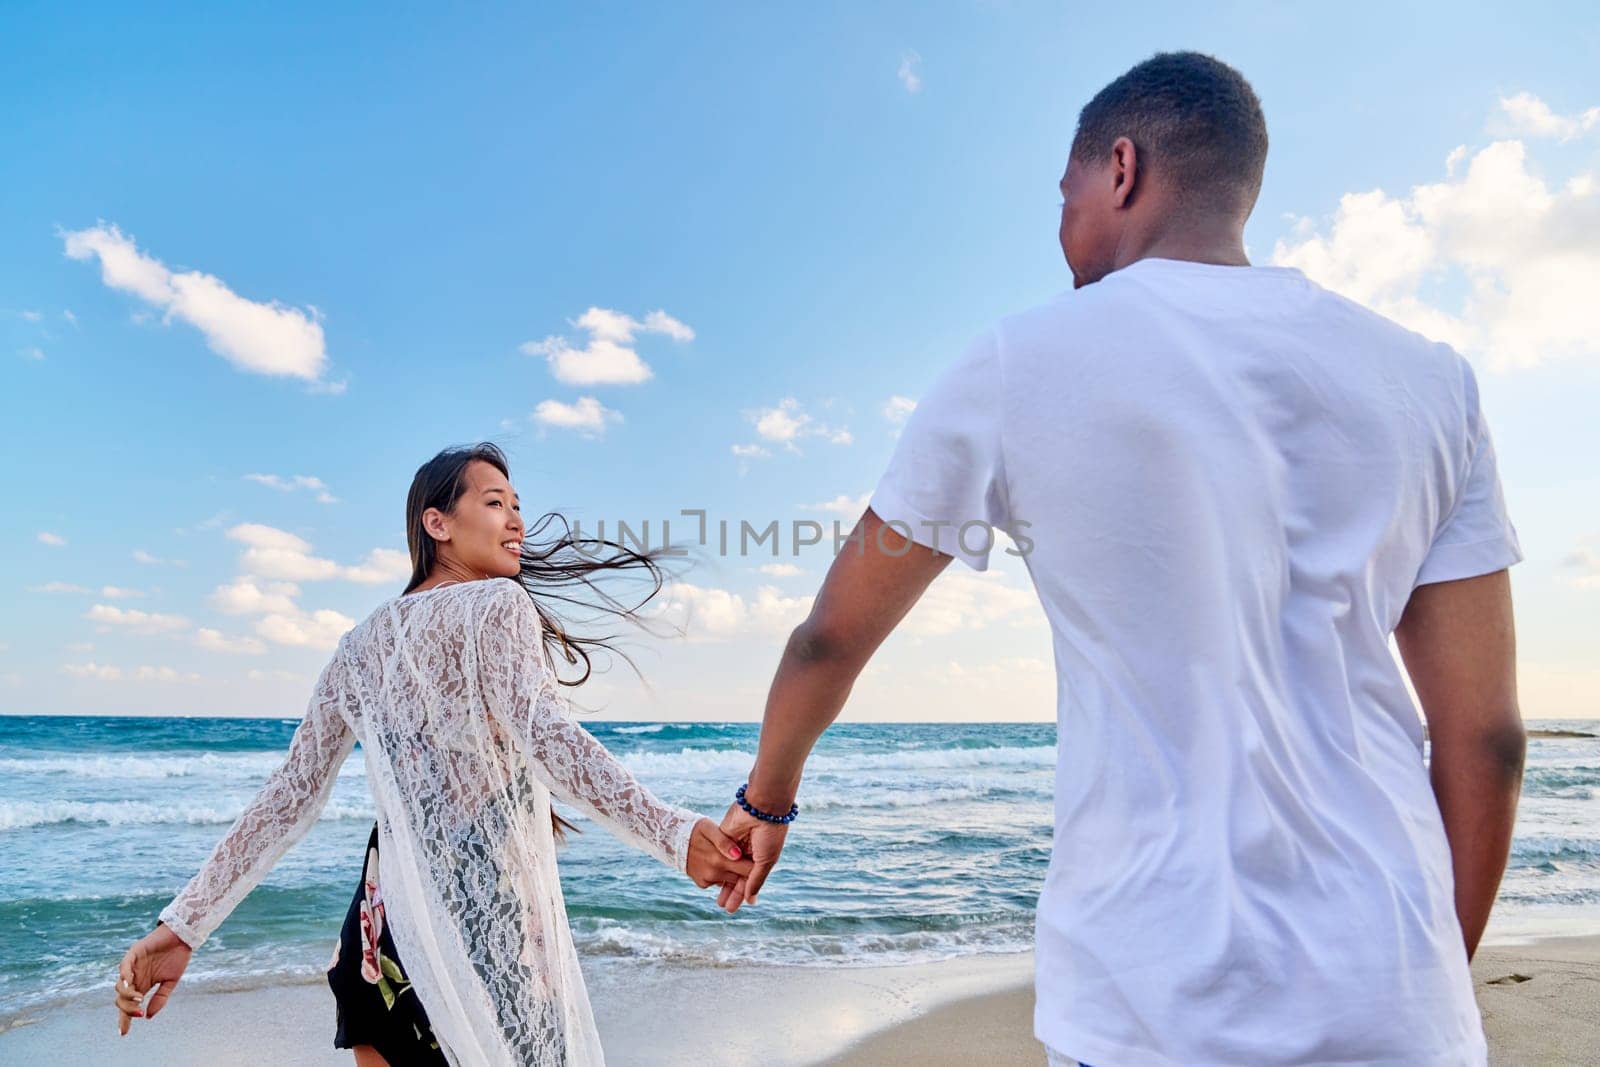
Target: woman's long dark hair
556,565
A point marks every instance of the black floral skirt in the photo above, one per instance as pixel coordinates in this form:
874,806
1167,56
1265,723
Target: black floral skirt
377,1005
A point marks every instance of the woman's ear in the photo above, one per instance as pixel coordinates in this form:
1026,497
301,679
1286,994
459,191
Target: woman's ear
433,521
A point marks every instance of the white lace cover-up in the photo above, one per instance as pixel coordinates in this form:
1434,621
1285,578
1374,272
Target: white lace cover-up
465,734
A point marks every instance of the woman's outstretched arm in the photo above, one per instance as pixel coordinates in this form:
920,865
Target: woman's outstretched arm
524,694
281,813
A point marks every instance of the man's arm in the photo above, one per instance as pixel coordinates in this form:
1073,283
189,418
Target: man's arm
868,590
1459,646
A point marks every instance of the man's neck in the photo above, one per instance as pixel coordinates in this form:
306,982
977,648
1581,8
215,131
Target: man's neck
1220,242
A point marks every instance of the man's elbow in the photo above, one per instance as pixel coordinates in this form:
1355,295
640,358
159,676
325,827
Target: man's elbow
816,643
1507,747
1503,746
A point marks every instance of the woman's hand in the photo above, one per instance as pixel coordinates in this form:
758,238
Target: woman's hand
156,961
716,859
762,842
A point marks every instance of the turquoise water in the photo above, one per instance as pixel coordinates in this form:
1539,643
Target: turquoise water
919,842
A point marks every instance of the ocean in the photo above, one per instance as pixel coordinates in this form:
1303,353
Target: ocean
917,842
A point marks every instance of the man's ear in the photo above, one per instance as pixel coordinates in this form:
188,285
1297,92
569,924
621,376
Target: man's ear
1125,166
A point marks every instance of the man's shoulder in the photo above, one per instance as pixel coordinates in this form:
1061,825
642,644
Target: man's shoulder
1422,361
1106,301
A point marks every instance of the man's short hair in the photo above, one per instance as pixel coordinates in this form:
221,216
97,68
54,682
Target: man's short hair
1193,119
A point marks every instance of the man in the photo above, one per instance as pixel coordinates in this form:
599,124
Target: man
1236,486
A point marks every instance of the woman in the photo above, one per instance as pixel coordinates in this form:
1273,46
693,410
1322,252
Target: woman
461,952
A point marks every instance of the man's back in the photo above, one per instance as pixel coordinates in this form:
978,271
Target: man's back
1231,480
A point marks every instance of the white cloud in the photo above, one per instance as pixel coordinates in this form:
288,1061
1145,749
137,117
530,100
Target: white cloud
780,570
1529,255
1525,115
105,673
268,338
381,566
33,352
1582,564
910,72
30,316
708,614
53,540
57,587
285,557
274,553
141,622
293,482
783,423
959,601
211,523
897,409
750,452
81,646
276,676
97,671
317,629
246,597
215,641
849,506
661,322
588,416
67,314
141,556
608,357
163,674
283,621
118,592
788,422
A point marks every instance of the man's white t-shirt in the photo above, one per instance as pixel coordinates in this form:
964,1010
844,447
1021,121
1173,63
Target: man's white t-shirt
1232,480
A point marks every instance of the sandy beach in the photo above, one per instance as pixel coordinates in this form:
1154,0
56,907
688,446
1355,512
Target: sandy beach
1541,1005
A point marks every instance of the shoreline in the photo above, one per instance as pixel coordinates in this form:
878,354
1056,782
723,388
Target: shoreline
1540,1003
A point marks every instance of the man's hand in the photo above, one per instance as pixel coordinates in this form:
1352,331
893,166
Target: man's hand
762,842
716,859
156,961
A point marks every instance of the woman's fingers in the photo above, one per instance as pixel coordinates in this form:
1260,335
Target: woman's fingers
128,1007
729,870
726,845
130,1003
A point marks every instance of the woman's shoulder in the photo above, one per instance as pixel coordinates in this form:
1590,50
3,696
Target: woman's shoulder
456,607
485,601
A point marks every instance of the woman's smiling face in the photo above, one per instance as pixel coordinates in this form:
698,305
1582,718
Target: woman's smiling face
483,534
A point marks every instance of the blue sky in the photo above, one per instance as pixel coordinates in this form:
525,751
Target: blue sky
349,240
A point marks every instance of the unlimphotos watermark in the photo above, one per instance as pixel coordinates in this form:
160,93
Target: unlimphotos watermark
744,538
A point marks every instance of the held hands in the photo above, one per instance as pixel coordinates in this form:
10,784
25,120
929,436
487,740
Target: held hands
762,842
716,859
156,961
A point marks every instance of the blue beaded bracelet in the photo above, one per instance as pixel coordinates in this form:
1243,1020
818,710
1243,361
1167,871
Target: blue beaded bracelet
764,816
